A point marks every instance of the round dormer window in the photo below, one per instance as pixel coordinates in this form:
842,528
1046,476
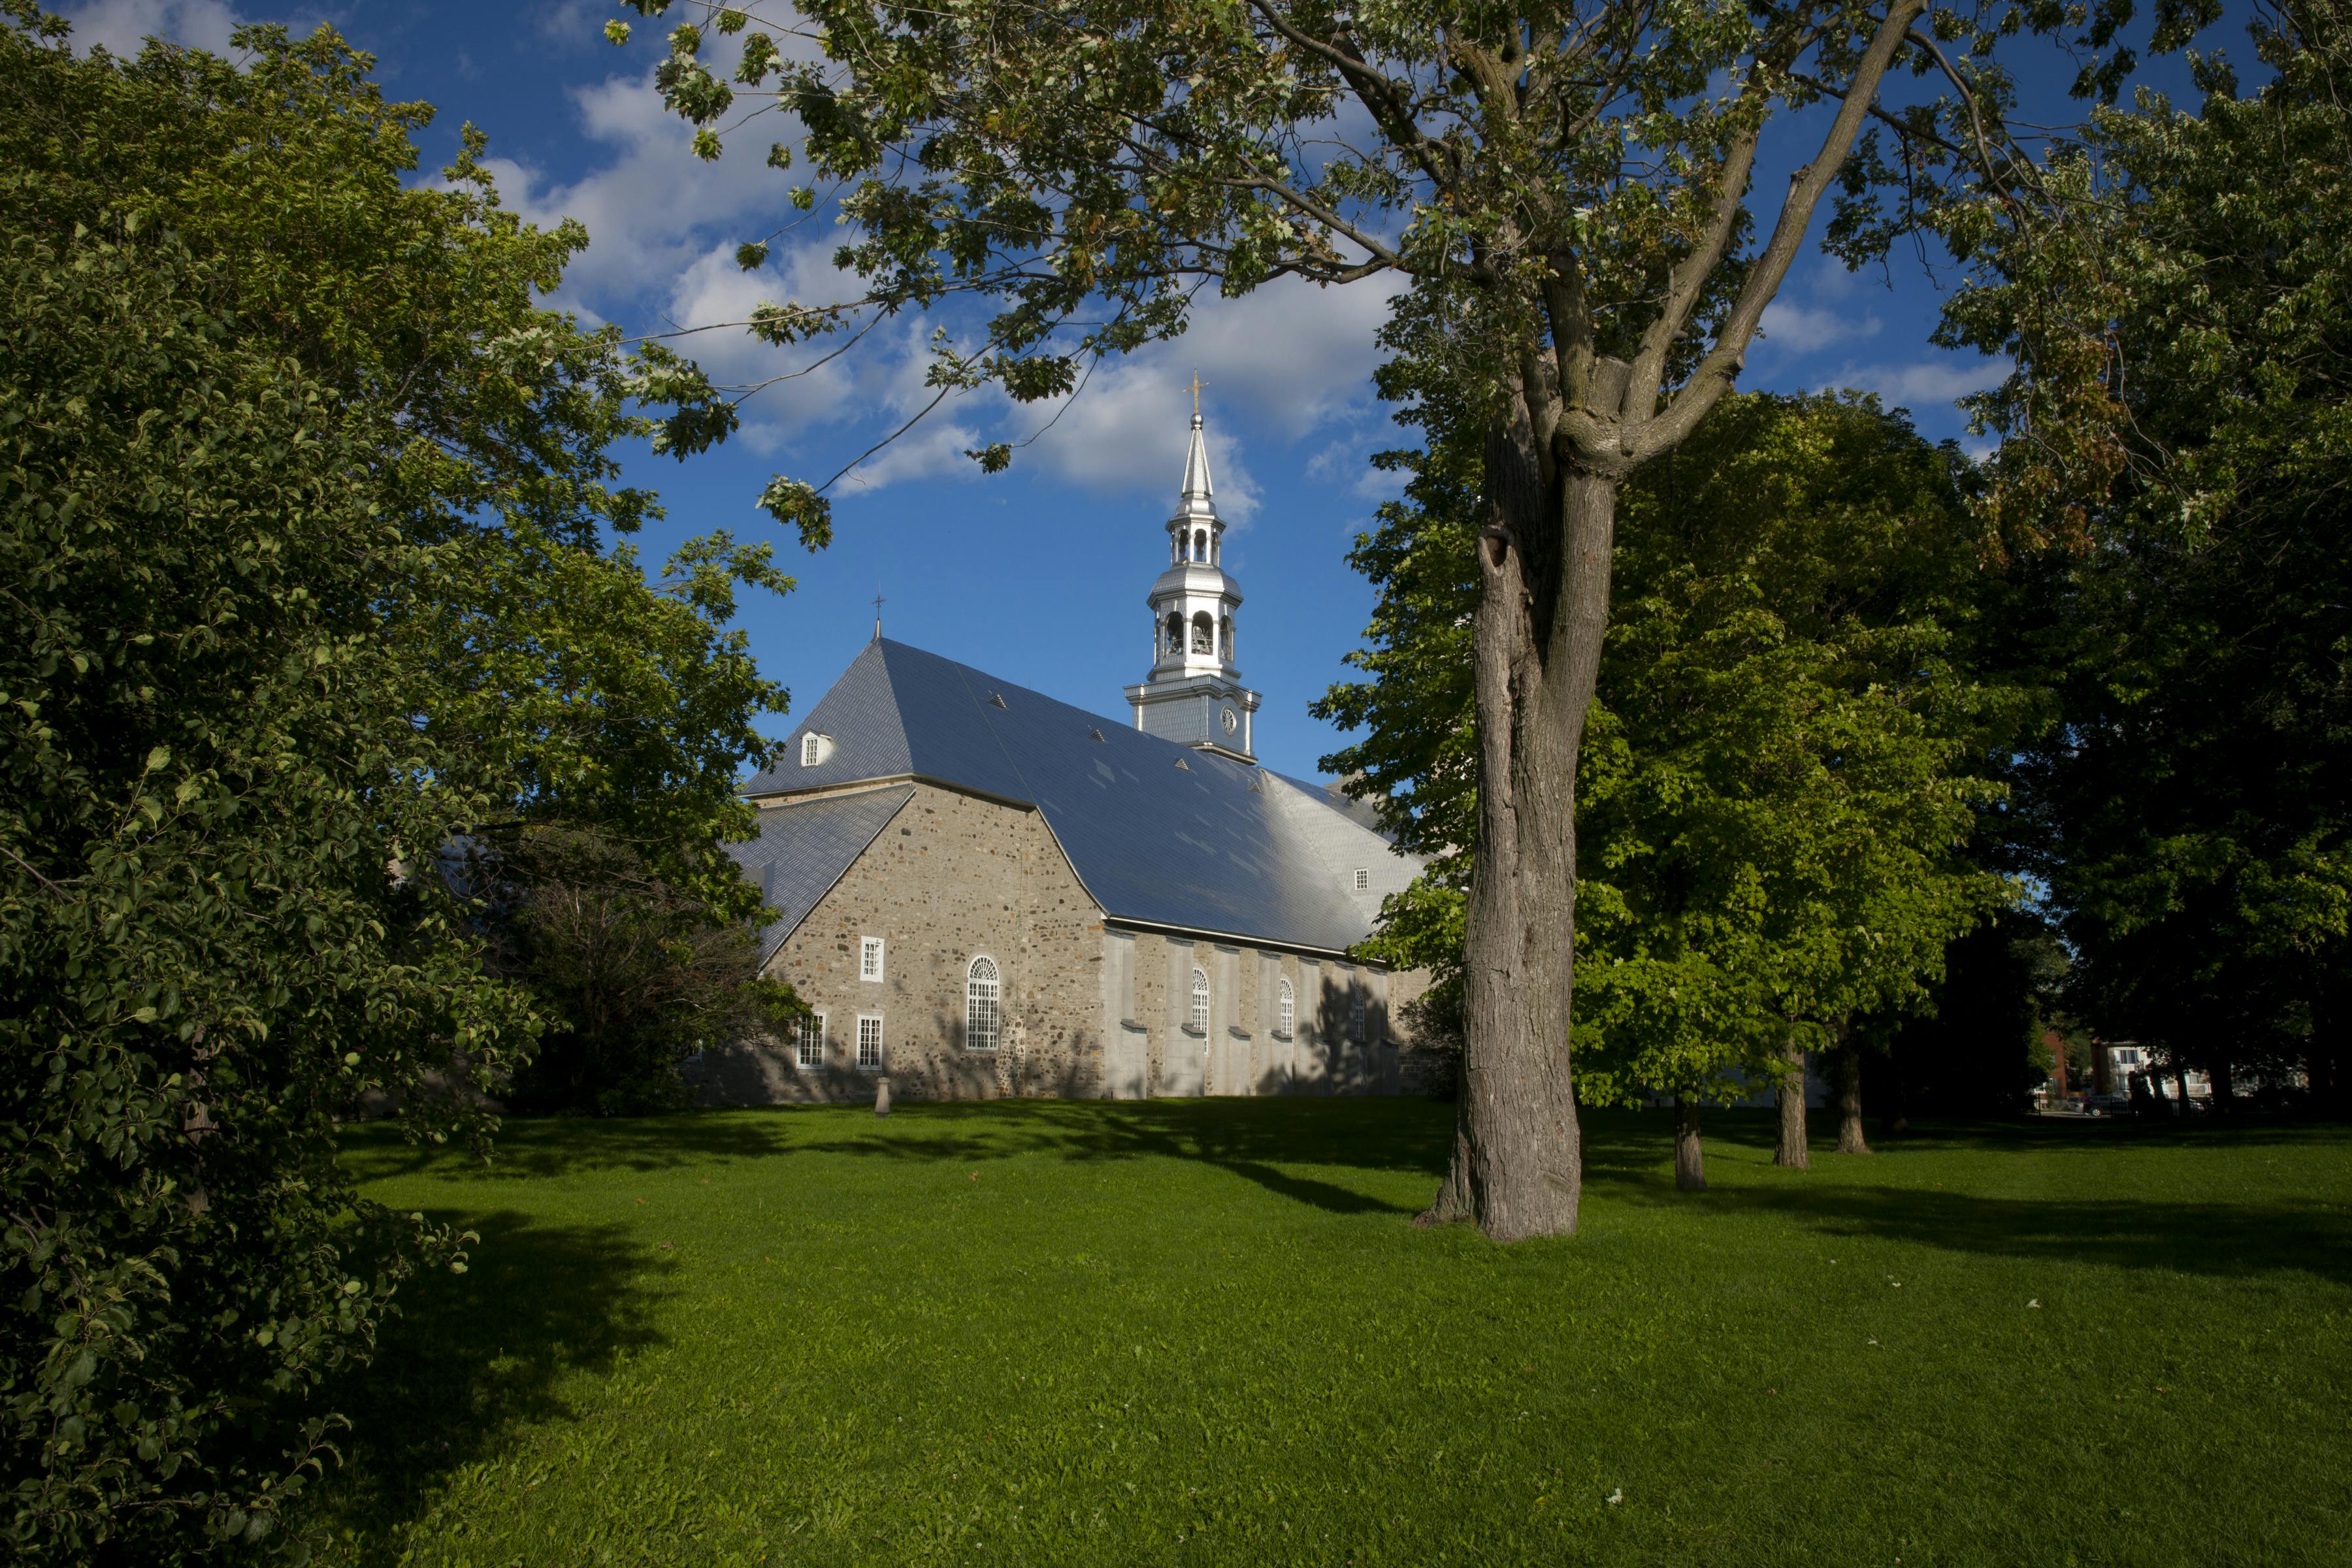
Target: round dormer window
1230,720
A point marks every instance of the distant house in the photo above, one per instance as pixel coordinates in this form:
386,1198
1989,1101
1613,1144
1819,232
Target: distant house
2115,1064
982,891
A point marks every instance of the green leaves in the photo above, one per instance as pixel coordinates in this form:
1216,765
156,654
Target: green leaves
302,498
2173,443
796,504
1785,761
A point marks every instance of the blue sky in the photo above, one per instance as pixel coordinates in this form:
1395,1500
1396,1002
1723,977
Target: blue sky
1036,574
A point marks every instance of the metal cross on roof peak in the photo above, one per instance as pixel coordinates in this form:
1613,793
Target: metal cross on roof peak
1195,390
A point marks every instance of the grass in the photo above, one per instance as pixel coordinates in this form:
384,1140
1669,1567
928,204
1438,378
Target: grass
1206,1332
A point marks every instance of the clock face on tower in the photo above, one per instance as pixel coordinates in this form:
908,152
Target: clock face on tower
1228,720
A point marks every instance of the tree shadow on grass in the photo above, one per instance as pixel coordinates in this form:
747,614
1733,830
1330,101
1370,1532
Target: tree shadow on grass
470,1357
2228,1239
542,1147
1251,1139
1628,1156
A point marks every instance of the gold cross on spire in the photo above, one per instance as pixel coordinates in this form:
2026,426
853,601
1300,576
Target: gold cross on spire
1195,390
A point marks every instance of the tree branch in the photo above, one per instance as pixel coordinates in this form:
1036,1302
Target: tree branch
1715,372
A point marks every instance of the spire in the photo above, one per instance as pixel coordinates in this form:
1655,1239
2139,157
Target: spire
1199,500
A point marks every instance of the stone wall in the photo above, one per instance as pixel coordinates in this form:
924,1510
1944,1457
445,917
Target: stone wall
951,877
1089,1009
1331,1047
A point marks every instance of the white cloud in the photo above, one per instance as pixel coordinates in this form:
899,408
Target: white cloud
1280,364
1831,279
1277,365
1940,382
571,23
123,25
654,209
1803,330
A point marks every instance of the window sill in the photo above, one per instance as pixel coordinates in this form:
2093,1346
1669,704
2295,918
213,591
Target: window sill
1196,1033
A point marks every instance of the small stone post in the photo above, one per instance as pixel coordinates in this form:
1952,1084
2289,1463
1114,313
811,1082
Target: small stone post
882,1097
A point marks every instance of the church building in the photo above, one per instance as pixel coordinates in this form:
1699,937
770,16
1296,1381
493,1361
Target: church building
983,891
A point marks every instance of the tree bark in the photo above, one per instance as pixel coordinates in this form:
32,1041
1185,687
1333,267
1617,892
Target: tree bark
1543,605
1850,1138
1690,1160
1795,1149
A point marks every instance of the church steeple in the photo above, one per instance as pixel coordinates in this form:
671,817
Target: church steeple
1198,498
1193,692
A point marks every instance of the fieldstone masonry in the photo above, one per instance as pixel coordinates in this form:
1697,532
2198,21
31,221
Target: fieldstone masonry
1088,1008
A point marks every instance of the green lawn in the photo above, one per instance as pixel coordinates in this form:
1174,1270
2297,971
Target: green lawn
1207,1333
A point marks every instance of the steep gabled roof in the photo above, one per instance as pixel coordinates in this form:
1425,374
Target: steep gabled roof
1157,833
803,847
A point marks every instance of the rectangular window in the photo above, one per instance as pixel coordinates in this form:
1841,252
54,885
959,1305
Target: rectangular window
869,958
809,1048
1363,880
812,750
869,1042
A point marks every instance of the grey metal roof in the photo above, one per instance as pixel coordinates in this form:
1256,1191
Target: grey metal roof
803,847
1156,832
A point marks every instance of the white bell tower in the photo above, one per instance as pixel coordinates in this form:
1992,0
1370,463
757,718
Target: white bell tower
1193,694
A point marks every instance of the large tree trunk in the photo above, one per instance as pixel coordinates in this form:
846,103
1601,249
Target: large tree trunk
1543,605
1849,1064
1795,1149
1690,1160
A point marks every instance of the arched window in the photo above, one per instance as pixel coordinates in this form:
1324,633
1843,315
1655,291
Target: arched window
1175,633
1200,1002
1201,544
1226,637
1204,633
1286,1011
1356,1013
979,1013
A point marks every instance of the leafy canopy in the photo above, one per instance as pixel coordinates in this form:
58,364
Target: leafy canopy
2191,813
1786,758
1561,183
301,501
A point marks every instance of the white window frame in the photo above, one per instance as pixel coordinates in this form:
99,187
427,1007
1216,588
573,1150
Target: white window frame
1363,879
812,750
878,1057
983,1012
808,1045
1201,997
1285,1009
869,958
